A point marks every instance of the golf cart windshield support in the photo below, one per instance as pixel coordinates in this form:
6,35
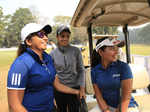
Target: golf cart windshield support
89,30
127,41
148,2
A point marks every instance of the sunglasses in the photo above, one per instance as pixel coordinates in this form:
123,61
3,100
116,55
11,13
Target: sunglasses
41,34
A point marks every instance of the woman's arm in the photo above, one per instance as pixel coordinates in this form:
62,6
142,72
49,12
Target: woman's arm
15,98
101,102
126,89
81,73
65,89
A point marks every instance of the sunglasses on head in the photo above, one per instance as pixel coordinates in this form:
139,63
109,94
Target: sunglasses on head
41,34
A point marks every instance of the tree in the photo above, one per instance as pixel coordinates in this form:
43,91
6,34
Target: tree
144,35
21,17
105,30
2,26
58,20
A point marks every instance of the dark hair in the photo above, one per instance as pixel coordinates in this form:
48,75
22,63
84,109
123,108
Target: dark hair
22,47
96,58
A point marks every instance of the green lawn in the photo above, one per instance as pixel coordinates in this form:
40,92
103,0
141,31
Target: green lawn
7,57
139,49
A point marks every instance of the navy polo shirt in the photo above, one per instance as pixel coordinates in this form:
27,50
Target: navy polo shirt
36,78
109,81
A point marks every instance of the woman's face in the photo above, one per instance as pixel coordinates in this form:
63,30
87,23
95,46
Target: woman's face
110,54
63,38
38,42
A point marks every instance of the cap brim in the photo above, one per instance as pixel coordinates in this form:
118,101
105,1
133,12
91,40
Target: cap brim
121,44
63,29
47,29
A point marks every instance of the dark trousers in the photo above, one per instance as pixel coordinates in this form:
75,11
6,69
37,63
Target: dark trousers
66,102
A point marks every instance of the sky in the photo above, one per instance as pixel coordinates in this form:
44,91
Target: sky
47,8
44,8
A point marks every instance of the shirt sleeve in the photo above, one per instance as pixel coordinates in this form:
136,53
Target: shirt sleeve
17,75
126,72
80,69
93,76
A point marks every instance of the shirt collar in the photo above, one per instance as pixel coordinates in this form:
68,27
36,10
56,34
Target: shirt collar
36,57
63,49
99,66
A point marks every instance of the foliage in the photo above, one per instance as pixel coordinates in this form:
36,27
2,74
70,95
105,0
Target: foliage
105,30
10,26
58,20
144,34
21,17
3,23
140,35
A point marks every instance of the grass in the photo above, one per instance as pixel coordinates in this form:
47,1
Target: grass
7,57
140,49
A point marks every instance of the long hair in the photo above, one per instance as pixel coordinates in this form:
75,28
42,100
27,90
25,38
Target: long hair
23,46
96,58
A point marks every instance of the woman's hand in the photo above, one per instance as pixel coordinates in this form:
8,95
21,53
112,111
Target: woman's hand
107,110
63,88
77,92
117,110
82,93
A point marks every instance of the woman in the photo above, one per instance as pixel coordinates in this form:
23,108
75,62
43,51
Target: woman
32,75
69,66
111,78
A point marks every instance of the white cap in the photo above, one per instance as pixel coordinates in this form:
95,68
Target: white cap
110,42
33,27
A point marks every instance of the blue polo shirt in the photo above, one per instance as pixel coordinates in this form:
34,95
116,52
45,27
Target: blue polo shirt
109,81
36,78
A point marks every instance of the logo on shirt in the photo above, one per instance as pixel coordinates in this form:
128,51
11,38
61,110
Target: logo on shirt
116,75
16,79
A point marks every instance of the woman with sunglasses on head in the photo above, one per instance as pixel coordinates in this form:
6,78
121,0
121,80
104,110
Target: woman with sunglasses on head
32,75
111,78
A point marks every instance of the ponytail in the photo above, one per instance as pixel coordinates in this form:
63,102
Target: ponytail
23,46
96,58
21,49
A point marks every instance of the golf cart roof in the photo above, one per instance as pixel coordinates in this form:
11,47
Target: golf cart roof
111,13
102,36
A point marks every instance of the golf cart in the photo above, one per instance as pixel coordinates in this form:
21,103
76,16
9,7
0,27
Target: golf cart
125,13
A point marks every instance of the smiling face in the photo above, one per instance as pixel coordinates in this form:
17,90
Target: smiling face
38,43
110,54
63,38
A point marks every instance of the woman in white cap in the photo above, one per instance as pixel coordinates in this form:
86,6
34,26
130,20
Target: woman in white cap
32,75
111,78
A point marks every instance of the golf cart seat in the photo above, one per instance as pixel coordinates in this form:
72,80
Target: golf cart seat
140,84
